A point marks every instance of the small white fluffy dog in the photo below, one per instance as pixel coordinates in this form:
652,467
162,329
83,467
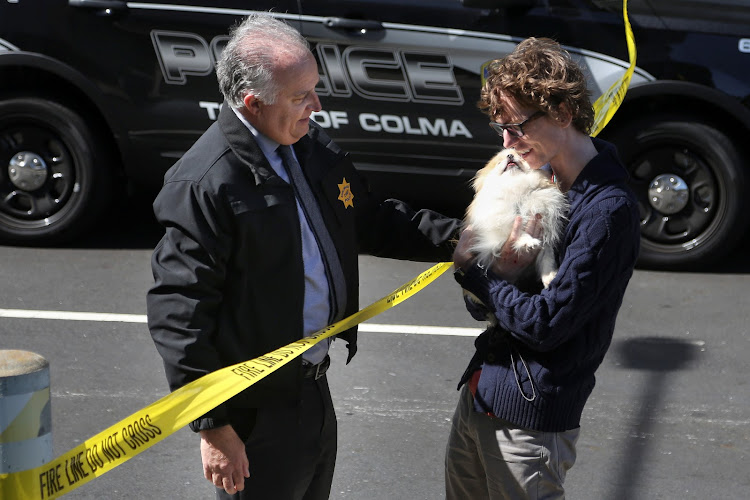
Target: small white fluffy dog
508,187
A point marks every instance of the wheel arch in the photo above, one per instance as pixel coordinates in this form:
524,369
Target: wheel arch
26,74
689,100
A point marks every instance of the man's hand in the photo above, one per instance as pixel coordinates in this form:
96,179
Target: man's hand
225,462
461,255
511,262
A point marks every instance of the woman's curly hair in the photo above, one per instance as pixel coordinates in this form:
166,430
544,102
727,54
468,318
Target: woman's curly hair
539,73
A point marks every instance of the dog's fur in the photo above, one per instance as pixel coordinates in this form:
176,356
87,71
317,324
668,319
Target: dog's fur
508,187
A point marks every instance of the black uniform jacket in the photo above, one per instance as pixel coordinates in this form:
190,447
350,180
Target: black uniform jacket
229,277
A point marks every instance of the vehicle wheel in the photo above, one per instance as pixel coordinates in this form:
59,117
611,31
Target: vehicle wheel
689,180
54,172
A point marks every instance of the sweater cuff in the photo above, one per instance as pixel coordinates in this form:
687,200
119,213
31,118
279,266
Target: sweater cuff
478,281
213,419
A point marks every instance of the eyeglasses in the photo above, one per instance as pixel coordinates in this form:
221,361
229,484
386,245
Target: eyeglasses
514,129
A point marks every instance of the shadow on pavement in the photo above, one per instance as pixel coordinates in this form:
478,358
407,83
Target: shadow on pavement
660,357
129,225
736,261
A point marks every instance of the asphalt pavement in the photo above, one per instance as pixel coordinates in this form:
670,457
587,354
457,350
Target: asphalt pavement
668,419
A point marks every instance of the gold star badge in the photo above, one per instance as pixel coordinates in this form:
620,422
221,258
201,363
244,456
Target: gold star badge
345,194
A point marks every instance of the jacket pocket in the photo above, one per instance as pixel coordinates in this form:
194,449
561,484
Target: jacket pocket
258,202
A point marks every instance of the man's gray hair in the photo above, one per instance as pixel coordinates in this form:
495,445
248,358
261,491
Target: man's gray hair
247,62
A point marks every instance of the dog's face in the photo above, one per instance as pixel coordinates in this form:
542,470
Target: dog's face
505,162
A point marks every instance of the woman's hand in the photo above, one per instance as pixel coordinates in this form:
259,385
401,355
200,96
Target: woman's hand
511,262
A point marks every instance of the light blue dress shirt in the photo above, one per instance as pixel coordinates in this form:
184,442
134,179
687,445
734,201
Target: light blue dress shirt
316,308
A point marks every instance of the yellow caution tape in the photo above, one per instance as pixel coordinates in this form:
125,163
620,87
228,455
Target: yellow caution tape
608,103
143,429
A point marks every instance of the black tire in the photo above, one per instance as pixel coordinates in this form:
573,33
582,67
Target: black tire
704,224
55,173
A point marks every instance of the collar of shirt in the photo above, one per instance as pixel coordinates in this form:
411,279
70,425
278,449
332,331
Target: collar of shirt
267,145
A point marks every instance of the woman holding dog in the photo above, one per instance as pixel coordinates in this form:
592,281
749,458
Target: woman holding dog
517,422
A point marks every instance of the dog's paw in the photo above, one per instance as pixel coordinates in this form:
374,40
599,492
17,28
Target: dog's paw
472,298
548,277
477,309
526,242
491,319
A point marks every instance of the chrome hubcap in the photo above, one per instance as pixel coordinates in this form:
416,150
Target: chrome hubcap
27,171
668,194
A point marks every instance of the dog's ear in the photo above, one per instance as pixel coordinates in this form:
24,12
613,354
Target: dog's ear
478,181
483,172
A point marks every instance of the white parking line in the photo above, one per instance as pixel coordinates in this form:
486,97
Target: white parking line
420,329
141,318
72,316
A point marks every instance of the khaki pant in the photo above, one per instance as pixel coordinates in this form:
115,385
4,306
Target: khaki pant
490,458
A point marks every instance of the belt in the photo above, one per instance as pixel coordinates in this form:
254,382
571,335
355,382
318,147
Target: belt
312,371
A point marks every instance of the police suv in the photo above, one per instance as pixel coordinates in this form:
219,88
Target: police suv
97,92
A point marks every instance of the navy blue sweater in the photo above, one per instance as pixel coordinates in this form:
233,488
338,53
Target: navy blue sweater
540,374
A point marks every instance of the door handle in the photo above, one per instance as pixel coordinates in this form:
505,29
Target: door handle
358,26
105,5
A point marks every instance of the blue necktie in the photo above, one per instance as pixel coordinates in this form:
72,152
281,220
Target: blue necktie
309,204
